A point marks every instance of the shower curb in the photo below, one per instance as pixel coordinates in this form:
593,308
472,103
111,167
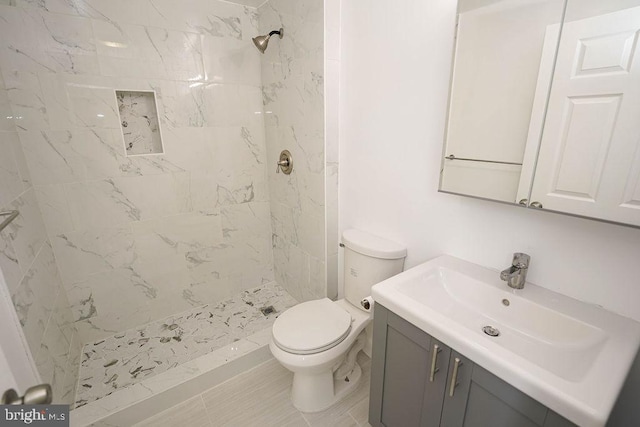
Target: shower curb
155,394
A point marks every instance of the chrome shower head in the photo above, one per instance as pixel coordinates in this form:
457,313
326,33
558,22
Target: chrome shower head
262,42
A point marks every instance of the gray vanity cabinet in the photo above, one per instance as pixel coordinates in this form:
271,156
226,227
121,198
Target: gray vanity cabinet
459,393
411,396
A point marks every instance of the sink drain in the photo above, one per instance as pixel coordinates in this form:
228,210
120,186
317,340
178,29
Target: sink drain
491,331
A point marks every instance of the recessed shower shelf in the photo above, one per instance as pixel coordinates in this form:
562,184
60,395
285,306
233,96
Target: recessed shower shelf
139,122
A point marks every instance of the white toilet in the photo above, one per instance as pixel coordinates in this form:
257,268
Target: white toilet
319,340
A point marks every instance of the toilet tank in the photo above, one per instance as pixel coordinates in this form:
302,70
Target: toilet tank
368,260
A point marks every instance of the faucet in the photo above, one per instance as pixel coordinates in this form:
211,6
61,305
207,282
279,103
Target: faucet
516,275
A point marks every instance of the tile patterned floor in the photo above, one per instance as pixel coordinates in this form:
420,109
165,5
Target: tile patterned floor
260,397
128,358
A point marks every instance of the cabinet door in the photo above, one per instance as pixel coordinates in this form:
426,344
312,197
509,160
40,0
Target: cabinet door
489,401
404,392
555,420
589,158
457,390
418,381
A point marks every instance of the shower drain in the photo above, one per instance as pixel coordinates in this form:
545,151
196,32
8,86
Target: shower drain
491,331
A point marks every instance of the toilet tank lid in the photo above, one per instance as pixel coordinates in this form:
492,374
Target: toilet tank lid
373,246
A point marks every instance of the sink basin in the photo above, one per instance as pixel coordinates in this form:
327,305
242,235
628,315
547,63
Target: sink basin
554,341
571,356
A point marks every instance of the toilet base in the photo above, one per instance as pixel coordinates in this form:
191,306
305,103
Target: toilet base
315,393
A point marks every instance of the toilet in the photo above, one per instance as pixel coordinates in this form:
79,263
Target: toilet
319,340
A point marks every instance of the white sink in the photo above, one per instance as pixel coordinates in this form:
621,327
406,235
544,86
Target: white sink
571,356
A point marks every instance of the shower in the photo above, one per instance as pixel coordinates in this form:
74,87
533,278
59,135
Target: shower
153,171
262,42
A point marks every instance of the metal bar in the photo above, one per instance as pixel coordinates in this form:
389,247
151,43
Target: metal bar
454,377
11,215
452,157
434,362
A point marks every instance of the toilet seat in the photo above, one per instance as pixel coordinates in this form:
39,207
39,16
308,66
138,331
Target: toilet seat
311,327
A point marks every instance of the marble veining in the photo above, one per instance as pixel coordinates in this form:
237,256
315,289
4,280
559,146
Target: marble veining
293,80
121,221
129,357
139,121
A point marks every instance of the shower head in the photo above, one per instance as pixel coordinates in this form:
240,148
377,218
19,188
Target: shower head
262,42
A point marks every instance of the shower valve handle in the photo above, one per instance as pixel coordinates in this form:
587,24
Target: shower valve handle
284,163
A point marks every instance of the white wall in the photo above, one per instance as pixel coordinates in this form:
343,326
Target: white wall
395,67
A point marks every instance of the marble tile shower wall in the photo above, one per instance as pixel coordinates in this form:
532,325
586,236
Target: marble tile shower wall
29,270
293,96
332,138
137,238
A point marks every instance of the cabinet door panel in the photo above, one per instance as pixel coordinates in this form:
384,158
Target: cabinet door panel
404,376
439,355
589,158
377,364
555,420
493,402
403,391
485,409
511,396
457,390
410,397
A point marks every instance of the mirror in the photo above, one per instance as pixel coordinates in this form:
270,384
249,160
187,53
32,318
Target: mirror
545,112
493,106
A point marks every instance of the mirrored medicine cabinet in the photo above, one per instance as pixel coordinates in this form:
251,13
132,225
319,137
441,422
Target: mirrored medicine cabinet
544,106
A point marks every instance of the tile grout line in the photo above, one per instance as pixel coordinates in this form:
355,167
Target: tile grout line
348,413
304,418
354,419
206,411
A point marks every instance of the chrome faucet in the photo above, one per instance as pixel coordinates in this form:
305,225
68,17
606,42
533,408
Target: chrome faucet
516,275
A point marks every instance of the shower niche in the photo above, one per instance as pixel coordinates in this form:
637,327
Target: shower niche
139,122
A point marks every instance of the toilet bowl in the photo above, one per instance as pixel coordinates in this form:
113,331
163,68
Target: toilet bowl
314,388
319,340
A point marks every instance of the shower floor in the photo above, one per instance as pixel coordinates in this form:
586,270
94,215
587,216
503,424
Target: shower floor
133,357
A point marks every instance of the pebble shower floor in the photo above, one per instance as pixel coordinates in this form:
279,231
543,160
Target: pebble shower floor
127,358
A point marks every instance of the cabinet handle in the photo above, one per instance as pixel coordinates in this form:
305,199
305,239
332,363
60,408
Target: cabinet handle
434,361
454,378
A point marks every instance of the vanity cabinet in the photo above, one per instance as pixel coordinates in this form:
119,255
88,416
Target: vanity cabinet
417,380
